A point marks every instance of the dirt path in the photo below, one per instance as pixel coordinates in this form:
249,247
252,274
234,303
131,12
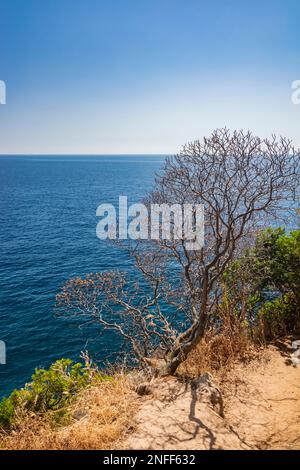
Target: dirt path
263,403
260,410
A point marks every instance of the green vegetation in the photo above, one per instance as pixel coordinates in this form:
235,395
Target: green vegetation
50,390
264,283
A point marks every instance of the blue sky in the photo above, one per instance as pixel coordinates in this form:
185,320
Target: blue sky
129,76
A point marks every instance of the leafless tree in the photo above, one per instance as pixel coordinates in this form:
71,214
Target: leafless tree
124,305
243,182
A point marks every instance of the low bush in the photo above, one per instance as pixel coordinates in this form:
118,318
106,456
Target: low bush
279,317
50,390
263,285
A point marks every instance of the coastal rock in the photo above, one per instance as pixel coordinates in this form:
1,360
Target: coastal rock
295,356
208,392
80,414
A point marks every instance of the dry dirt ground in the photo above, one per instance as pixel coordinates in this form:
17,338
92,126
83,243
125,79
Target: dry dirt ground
258,408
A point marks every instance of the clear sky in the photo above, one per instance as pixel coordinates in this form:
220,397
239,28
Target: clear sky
144,76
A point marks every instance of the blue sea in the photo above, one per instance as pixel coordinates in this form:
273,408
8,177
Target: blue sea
47,235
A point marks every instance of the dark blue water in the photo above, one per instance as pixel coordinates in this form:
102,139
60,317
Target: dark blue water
47,235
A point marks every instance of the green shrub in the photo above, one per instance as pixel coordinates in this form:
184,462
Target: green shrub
50,390
7,413
269,270
8,407
278,317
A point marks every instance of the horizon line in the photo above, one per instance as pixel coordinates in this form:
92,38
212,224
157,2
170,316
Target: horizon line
82,154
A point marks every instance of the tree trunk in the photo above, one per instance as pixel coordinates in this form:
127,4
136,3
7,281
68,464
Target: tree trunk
186,346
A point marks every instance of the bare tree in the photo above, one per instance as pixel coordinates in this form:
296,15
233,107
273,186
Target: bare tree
124,305
243,182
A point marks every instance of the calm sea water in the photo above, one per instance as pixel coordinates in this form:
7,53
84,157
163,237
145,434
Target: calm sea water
47,235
